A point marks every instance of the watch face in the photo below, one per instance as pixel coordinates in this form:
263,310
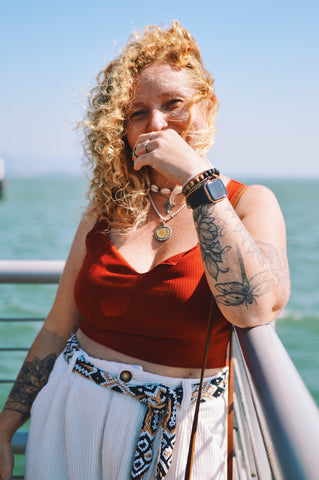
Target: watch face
215,190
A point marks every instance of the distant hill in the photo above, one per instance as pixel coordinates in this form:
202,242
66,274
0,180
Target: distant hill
28,165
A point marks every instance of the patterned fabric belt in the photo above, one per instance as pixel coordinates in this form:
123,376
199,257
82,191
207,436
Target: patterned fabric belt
161,403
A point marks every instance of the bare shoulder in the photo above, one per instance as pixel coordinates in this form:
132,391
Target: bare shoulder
86,224
257,199
78,247
87,221
260,213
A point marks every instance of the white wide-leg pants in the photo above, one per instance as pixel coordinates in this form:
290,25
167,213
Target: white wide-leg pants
81,431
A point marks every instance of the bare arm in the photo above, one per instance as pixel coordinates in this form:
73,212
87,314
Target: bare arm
62,320
244,253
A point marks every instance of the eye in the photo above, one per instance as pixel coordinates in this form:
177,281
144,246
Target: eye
174,103
137,114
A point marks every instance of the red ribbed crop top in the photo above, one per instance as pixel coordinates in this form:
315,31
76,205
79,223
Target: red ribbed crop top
159,316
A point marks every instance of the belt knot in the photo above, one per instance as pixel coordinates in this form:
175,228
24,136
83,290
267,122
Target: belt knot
161,402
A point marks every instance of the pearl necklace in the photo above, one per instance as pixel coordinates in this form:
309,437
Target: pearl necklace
163,232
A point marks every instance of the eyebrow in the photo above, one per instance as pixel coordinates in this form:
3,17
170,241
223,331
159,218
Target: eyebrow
136,105
174,94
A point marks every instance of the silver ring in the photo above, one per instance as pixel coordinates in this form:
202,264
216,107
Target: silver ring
134,152
145,146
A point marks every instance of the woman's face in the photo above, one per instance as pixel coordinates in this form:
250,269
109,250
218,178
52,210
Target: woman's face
161,97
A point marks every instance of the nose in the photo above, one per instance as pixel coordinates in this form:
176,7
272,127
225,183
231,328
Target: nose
157,120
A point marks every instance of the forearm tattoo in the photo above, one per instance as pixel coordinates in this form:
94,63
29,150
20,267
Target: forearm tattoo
210,230
278,264
246,291
33,376
272,261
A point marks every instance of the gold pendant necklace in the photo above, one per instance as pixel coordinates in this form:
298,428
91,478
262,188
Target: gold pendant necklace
164,232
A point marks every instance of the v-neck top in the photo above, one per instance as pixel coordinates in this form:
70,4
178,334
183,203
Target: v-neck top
158,316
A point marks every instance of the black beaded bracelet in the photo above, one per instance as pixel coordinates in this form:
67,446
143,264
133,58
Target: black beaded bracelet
207,174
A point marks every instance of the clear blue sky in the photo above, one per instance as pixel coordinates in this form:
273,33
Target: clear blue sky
263,56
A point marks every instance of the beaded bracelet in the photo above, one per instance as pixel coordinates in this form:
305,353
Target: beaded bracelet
197,186
207,174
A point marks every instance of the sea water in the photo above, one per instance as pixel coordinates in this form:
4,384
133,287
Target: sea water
39,216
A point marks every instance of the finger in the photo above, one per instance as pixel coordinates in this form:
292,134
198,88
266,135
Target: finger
142,139
143,147
147,136
135,152
141,161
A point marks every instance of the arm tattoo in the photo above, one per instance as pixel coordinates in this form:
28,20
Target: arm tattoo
32,377
278,264
247,240
210,229
246,291
266,253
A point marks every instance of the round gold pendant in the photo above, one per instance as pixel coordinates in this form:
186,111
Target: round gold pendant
163,233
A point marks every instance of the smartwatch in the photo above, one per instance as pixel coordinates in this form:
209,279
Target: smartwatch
212,191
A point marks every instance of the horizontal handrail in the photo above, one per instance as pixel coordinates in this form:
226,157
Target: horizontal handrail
21,319
291,414
14,349
30,271
7,381
19,442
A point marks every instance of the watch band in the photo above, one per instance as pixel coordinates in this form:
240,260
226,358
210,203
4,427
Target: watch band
211,191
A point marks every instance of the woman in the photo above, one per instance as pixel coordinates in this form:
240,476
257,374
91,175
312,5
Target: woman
139,280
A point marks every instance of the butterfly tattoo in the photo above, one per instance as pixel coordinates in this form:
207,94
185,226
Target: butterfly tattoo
246,291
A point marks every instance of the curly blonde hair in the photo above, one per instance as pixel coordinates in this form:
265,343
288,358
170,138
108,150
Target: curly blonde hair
118,193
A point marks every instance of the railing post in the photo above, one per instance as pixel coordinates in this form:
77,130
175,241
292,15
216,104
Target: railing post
291,413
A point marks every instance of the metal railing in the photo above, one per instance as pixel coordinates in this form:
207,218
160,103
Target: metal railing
276,421
25,272
30,271
289,412
254,455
